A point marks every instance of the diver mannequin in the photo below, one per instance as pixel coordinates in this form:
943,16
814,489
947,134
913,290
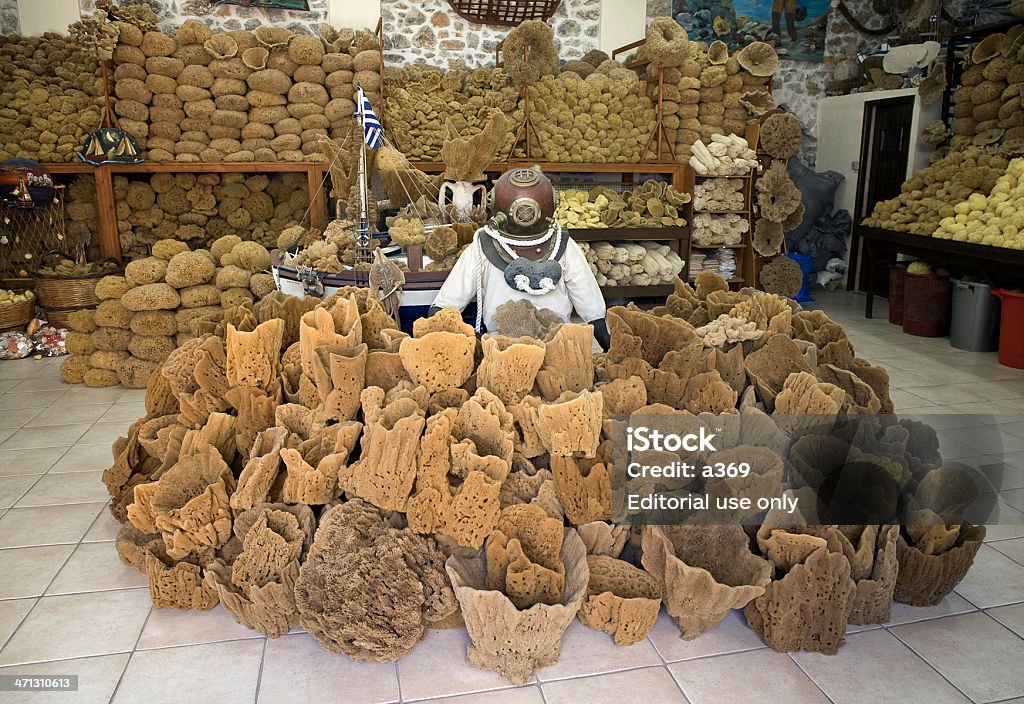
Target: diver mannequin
522,253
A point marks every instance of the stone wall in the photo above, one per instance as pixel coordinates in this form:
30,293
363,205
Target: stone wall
429,31
224,18
9,22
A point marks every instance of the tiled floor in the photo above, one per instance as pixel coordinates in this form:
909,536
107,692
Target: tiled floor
68,606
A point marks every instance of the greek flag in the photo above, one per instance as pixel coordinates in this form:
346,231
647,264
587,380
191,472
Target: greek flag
373,133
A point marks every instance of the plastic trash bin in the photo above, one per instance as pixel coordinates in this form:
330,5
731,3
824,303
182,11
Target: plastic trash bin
974,324
1011,330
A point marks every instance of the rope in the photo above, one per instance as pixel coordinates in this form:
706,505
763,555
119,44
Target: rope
845,11
480,263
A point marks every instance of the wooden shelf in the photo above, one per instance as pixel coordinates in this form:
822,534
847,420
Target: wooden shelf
630,234
659,291
106,207
717,246
566,167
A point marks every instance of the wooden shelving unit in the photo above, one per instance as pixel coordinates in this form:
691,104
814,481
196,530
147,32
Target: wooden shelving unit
110,244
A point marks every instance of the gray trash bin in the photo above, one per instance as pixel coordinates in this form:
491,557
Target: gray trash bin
975,317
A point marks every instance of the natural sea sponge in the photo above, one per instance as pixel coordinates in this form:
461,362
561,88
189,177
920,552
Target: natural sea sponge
160,296
781,614
369,590
509,367
306,50
189,269
438,360
759,58
110,287
177,585
768,237
511,642
111,339
135,373
167,248
782,276
621,599
112,314
927,576
570,426
781,135
778,196
705,571
100,378
153,322
252,256
529,51
666,43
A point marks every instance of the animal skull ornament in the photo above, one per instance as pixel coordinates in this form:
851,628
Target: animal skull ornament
463,197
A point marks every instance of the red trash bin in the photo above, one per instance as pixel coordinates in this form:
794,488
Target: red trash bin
1011,330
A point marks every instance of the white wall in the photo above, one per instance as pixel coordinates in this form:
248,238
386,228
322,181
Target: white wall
622,22
47,16
353,13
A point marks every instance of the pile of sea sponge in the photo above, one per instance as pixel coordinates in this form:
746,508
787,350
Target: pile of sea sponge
50,99
717,195
723,155
987,106
651,204
606,117
996,220
199,208
706,92
421,99
719,230
464,481
632,263
268,95
932,194
156,305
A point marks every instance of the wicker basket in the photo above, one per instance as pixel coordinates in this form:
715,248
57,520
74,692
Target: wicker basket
66,293
926,304
504,12
897,277
17,315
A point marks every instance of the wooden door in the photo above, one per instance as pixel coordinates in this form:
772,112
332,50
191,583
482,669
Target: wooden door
884,157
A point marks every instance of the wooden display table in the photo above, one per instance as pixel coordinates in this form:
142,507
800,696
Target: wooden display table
882,246
106,212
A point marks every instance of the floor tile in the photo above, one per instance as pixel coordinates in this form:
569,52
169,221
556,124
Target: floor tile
50,436
132,396
62,415
13,462
170,627
104,528
905,399
993,580
951,605
988,412
731,636
41,382
84,458
35,399
20,369
15,418
951,449
97,678
94,567
444,651
297,669
873,667
12,612
940,420
652,685
520,695
718,680
989,440
66,488
1013,549
124,413
1010,616
156,676
46,525
1015,459
26,572
979,655
104,433
79,625
588,652
79,395
13,488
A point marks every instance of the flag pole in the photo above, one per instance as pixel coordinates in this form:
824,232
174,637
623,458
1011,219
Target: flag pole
364,226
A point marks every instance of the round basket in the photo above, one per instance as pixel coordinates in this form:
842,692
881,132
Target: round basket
897,277
58,292
17,315
926,304
59,318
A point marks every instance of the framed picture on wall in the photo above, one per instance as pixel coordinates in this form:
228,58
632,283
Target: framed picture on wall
301,5
795,27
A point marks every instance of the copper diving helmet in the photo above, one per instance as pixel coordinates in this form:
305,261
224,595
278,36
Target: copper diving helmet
522,203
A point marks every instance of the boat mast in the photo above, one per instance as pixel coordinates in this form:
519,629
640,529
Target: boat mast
363,233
